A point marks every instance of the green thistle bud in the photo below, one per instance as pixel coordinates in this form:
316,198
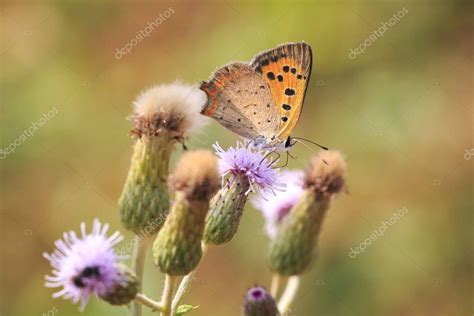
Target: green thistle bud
294,245
125,291
225,211
163,116
177,248
258,302
145,195
249,170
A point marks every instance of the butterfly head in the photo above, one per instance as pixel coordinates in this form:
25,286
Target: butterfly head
289,142
274,143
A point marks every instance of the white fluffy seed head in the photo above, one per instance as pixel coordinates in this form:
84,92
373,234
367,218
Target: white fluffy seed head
171,107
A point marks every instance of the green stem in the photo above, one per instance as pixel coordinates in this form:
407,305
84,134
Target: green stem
148,302
289,294
185,284
167,297
138,264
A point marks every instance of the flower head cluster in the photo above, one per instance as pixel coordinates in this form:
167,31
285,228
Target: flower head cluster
277,207
172,108
251,163
325,175
196,174
85,265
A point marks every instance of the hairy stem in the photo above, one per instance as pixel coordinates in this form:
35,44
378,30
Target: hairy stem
289,294
185,284
167,297
138,263
148,302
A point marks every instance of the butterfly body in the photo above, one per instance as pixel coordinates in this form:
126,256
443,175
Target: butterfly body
261,100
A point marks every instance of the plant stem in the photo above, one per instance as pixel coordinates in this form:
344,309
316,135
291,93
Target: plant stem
148,302
138,263
185,283
167,297
289,294
277,281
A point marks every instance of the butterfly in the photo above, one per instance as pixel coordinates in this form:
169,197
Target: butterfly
261,100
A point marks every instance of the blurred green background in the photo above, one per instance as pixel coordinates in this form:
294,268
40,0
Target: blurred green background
401,112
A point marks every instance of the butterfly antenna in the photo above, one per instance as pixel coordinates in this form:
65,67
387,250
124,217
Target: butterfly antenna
305,145
310,141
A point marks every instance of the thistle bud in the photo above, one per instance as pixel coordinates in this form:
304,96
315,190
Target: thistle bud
177,248
247,170
258,302
123,292
163,116
294,245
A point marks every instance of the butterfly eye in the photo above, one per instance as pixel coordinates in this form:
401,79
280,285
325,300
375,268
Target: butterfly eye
288,142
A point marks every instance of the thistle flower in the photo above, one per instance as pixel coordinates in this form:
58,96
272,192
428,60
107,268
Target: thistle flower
294,245
163,116
177,248
247,170
277,207
251,163
87,264
259,302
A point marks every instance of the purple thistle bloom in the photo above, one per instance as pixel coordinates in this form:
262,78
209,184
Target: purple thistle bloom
84,265
250,162
259,302
277,207
256,294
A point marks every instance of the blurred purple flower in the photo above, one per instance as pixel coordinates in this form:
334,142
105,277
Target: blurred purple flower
84,265
259,302
277,207
250,162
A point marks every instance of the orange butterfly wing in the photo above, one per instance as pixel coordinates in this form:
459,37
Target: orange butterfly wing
286,69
